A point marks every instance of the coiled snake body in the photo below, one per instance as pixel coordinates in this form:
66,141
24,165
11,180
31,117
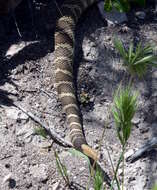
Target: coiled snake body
70,12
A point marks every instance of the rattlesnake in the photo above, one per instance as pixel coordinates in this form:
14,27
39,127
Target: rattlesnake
70,12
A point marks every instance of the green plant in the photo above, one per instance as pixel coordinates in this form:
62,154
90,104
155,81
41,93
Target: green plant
97,175
125,104
77,153
121,5
98,180
136,59
155,187
84,98
62,169
41,131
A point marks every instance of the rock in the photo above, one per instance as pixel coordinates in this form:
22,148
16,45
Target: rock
113,17
154,129
140,182
144,127
12,113
22,116
155,113
154,73
11,182
128,153
89,50
120,171
96,146
132,178
140,14
136,120
7,165
144,130
40,172
82,169
100,112
15,114
26,132
45,145
7,178
56,186
124,29
16,48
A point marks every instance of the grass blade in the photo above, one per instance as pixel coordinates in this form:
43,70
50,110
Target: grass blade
108,5
77,153
119,46
41,131
149,58
130,51
62,169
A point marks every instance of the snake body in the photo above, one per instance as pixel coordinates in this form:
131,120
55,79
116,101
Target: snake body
70,12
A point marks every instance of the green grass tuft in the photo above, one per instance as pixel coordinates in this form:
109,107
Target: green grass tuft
125,104
136,60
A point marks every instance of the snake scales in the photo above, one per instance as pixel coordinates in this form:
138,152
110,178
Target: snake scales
70,12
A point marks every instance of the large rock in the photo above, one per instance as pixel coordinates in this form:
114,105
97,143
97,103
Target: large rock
113,17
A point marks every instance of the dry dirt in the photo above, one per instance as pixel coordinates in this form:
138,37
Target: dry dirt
27,78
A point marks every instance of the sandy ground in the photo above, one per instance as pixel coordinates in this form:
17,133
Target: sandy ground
27,78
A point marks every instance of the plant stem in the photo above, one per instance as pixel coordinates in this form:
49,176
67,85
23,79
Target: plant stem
123,170
61,169
117,167
130,81
111,164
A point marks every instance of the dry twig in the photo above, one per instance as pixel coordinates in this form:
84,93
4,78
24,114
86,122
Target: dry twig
52,134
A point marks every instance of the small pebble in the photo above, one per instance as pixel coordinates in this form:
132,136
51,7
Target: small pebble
7,178
128,153
82,169
144,130
132,178
140,14
56,185
136,120
124,29
7,165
